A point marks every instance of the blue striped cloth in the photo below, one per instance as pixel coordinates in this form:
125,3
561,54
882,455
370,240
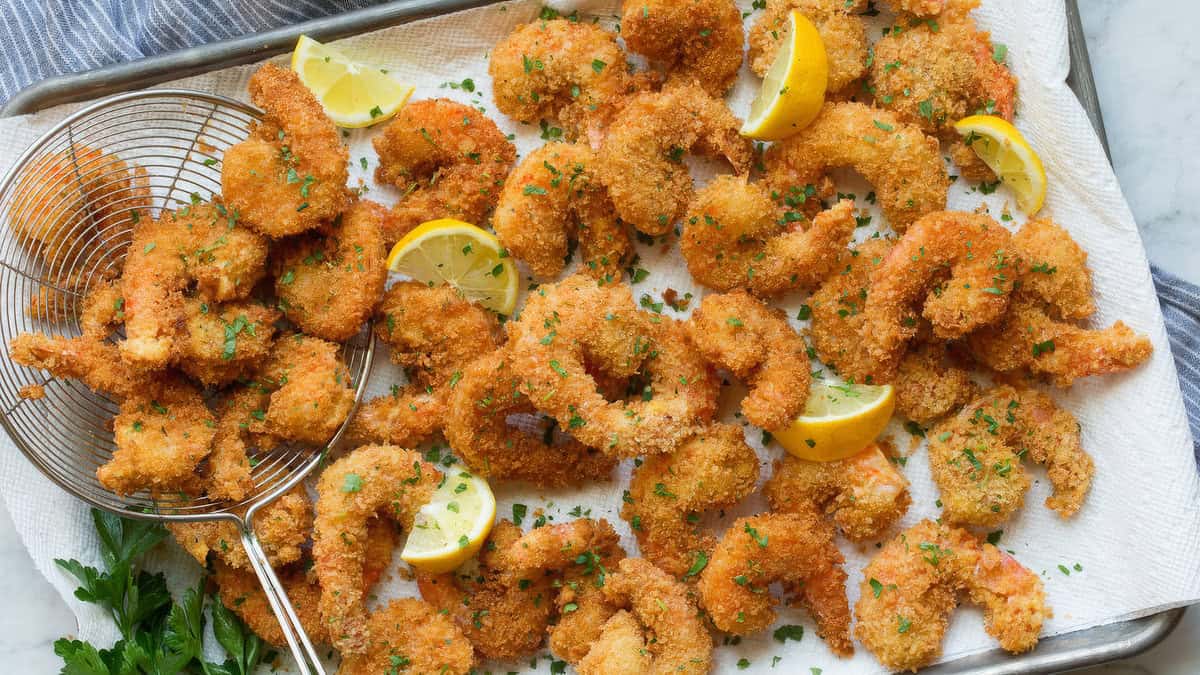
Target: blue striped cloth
43,38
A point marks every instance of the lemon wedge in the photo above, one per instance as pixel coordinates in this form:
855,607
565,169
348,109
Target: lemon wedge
353,95
793,89
1006,152
462,255
451,528
839,420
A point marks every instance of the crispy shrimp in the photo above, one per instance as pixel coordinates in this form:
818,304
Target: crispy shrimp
837,312
375,479
447,159
641,156
290,175
755,343
572,327
735,237
795,549
329,280
311,391
975,457
1056,270
864,494
658,631
911,587
95,363
409,632
582,605
697,41
843,33
229,464
477,428
282,527
552,197
975,291
222,342
897,159
667,491
930,383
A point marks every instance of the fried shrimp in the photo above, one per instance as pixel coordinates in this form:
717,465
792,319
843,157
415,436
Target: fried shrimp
552,197
658,630
1056,271
373,479
930,383
697,41
222,342
837,312
897,159
843,33
570,329
477,428
95,363
864,495
961,265
714,469
911,587
290,175
447,159
409,632
241,593
229,464
641,156
795,549
582,605
735,237
311,391
976,456
329,280
755,343
282,527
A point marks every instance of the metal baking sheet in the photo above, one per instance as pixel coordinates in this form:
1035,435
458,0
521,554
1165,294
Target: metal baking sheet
1055,654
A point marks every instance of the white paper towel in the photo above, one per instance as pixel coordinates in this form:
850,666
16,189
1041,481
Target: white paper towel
1137,539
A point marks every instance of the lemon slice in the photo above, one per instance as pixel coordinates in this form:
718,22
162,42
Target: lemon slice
353,94
451,528
1006,152
462,255
838,421
793,89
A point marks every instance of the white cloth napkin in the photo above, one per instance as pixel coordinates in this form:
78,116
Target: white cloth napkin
1137,538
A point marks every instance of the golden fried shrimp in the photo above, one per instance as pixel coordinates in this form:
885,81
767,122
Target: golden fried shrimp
837,312
372,479
570,329
224,260
228,474
221,342
582,605
975,457
795,549
503,612
552,197
311,391
447,159
930,383
556,547
641,156
1027,338
864,495
714,469
666,634
477,428
961,265
911,587
290,175
329,280
95,363
241,592
282,528
755,343
734,236
843,33
405,417
698,41
897,159
409,635
1056,270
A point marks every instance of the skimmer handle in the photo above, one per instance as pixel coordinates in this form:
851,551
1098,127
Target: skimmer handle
302,648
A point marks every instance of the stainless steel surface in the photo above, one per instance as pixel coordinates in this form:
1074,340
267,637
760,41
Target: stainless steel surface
1057,654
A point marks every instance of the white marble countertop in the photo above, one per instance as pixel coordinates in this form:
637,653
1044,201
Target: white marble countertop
1143,53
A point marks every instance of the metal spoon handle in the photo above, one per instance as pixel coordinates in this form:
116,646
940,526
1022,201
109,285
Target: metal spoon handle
293,631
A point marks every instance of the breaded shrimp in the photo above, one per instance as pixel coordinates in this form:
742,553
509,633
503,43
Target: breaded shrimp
329,280
222,342
755,343
930,383
1056,270
372,479
911,587
795,549
698,41
864,494
619,647
282,528
409,635
897,159
311,391
735,237
447,159
242,593
976,456
582,605
552,197
290,175
96,364
843,33
714,469
228,464
641,156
